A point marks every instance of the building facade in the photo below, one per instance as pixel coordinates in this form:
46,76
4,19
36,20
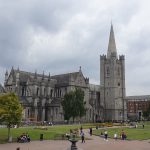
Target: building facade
41,94
136,105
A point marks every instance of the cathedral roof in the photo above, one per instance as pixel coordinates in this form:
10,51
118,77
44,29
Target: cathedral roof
29,76
94,87
138,97
65,78
57,80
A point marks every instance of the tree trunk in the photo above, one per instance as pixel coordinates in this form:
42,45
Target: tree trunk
8,132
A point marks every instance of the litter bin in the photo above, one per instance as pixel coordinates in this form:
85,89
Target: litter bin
10,139
41,137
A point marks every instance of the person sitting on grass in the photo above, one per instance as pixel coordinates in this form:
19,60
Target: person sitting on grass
23,138
106,135
115,136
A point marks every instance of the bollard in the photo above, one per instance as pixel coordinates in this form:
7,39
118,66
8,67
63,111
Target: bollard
18,148
41,137
10,139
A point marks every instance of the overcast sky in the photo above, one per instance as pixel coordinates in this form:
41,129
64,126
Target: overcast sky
58,36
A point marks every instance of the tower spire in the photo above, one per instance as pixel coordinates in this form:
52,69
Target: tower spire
112,44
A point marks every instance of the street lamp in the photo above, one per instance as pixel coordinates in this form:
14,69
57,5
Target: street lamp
136,111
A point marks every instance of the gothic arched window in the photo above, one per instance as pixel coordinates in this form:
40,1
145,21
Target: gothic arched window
118,71
23,91
107,72
37,92
51,94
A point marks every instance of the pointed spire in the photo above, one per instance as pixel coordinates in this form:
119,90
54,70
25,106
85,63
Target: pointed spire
35,75
49,77
80,69
12,69
18,68
43,76
6,73
111,45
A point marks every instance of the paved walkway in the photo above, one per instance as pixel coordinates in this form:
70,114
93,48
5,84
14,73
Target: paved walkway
96,143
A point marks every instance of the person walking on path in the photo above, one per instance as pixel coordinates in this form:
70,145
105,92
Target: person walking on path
90,131
115,136
123,135
106,135
82,136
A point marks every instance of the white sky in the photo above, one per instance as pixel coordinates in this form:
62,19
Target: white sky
58,36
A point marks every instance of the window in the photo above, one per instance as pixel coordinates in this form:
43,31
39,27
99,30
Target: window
22,93
28,113
60,93
120,114
118,71
37,91
107,72
51,94
56,112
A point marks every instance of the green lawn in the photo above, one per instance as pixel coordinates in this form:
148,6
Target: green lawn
56,132
52,132
132,133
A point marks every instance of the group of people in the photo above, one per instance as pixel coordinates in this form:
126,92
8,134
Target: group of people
23,138
123,135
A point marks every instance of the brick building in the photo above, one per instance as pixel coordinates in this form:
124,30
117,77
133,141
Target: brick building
136,105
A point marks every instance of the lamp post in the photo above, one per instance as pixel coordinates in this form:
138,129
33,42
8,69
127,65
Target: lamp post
93,105
136,108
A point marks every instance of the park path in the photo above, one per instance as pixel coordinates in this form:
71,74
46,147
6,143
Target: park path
96,143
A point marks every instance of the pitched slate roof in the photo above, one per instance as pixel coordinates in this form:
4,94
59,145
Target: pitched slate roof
65,78
140,97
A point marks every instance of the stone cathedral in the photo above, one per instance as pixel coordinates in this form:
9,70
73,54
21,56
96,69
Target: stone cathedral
41,94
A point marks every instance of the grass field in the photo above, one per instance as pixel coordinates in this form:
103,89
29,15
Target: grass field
56,132
132,133
49,132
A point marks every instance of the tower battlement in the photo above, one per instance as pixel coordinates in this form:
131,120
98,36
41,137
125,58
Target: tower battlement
102,57
121,57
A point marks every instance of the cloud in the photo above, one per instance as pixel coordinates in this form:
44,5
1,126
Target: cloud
59,36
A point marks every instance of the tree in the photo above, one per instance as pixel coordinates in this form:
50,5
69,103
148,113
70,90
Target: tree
10,110
67,105
73,104
146,113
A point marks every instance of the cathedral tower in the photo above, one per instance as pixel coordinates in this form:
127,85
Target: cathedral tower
112,79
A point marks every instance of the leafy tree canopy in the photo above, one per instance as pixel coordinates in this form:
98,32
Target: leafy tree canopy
10,110
73,104
146,113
